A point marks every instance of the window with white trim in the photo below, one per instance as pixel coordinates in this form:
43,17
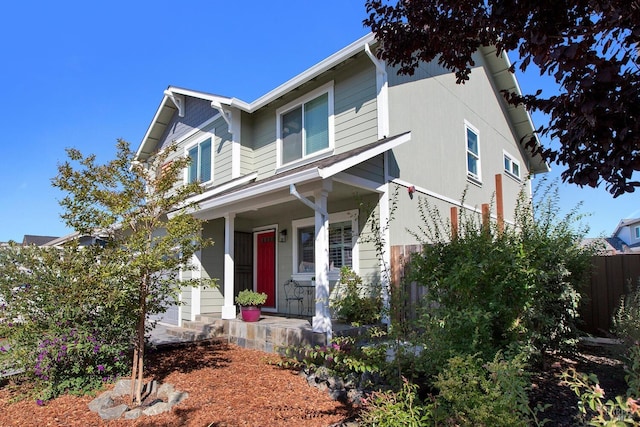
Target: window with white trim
473,152
637,232
511,166
305,126
342,244
201,161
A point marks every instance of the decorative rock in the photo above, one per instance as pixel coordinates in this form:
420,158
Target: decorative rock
112,413
101,402
163,398
133,414
156,409
165,390
177,397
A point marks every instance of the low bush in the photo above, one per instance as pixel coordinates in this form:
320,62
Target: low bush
355,302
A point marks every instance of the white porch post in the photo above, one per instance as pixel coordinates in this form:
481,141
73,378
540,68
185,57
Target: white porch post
322,319
385,261
229,309
197,290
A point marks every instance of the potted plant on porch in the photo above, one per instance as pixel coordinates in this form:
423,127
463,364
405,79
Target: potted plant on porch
250,303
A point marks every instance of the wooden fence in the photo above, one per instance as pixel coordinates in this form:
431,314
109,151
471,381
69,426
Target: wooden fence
405,294
610,279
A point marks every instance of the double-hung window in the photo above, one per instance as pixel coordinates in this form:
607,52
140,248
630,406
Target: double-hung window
342,242
511,166
473,152
201,161
305,126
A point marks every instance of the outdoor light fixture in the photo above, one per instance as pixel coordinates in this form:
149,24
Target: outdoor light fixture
283,236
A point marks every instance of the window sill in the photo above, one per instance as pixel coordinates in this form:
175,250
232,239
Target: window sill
513,177
474,180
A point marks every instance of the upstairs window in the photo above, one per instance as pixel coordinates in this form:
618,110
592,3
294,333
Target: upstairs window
304,127
473,153
637,232
511,166
200,166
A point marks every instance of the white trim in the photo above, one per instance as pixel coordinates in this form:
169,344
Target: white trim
477,178
196,291
385,262
356,181
512,161
364,156
260,230
382,93
344,216
637,232
236,151
229,308
327,88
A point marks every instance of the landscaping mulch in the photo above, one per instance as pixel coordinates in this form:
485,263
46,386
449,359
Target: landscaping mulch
232,386
227,386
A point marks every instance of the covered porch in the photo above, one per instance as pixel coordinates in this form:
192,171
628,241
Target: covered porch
300,224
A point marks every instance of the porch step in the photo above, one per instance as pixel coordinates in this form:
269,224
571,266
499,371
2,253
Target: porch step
201,329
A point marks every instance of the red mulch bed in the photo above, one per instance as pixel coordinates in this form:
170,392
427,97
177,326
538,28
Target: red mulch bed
227,386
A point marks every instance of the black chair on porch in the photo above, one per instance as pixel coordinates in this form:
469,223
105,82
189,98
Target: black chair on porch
293,292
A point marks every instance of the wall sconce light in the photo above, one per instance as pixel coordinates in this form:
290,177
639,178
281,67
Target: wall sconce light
283,236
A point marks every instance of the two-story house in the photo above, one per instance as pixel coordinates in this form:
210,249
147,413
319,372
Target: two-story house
293,178
628,235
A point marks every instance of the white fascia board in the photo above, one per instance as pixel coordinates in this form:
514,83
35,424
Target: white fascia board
502,63
259,189
312,72
155,119
364,156
225,187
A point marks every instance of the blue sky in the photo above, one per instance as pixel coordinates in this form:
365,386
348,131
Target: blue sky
82,74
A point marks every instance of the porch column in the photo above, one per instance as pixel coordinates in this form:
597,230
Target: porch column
229,309
385,256
322,319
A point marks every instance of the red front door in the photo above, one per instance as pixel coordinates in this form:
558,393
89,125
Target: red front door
266,265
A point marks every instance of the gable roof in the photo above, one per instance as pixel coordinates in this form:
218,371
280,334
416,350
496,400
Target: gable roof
170,104
625,223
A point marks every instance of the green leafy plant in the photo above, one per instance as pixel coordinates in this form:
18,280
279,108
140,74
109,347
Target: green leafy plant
617,412
397,408
626,320
248,298
355,302
478,393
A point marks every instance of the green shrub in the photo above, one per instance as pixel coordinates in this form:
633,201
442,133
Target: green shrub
401,408
475,393
490,289
355,303
67,327
626,320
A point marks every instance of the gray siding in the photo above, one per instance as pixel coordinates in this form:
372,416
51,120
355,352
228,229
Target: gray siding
212,259
222,152
197,111
355,106
372,169
434,108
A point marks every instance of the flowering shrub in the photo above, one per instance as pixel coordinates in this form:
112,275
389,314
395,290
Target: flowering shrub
621,411
77,362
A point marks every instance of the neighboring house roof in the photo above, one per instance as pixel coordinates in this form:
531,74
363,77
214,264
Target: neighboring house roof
173,99
30,239
606,245
626,223
246,187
